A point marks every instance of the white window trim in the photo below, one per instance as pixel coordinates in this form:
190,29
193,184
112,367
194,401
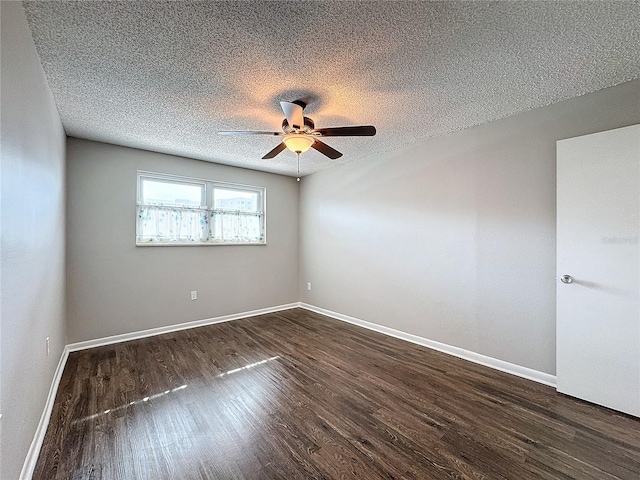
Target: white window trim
209,186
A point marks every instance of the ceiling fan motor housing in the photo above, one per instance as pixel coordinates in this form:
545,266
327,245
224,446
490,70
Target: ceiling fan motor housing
308,126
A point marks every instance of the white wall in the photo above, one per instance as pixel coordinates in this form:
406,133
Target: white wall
114,287
33,235
453,239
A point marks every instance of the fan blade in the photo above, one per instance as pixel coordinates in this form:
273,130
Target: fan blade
250,132
293,112
325,149
280,147
361,131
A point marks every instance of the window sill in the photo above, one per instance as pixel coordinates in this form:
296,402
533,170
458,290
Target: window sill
197,244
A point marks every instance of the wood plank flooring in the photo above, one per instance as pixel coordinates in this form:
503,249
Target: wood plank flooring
296,395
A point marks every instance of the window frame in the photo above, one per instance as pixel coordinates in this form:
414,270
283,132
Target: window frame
207,204
168,179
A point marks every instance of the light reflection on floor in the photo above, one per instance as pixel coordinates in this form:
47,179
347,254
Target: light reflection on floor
251,365
145,399
166,392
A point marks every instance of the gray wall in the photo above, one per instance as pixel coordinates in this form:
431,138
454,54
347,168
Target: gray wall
114,287
33,234
453,239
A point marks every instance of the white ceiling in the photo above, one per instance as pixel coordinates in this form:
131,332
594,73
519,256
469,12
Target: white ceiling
166,76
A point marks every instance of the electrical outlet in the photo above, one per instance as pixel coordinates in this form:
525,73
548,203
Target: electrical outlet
194,295
309,286
48,347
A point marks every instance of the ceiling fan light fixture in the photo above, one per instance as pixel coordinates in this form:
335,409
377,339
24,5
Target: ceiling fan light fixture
297,142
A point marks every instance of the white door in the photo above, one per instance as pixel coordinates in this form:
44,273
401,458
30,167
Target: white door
598,313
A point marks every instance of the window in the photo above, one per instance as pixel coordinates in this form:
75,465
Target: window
188,211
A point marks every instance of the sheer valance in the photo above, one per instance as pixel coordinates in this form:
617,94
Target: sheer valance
170,224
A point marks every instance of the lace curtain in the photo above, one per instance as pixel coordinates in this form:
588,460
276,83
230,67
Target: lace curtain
170,224
235,226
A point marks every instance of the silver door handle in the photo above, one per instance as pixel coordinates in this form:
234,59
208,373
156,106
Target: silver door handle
566,279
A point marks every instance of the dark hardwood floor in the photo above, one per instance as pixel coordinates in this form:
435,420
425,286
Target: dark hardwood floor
295,395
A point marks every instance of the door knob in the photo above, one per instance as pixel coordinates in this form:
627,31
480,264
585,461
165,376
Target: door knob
566,279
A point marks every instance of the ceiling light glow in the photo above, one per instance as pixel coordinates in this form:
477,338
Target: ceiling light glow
297,142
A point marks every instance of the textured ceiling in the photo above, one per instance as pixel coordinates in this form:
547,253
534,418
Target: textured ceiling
166,76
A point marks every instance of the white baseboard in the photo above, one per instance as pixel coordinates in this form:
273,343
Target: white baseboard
494,363
34,450
125,337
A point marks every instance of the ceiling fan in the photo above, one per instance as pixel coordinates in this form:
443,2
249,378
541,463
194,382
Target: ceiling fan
300,134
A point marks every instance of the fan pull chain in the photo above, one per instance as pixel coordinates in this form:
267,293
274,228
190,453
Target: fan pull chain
298,153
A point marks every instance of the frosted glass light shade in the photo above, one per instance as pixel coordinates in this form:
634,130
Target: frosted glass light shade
297,142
